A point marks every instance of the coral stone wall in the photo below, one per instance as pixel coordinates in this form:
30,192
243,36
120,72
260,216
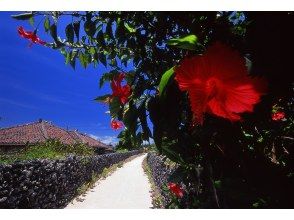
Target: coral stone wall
161,174
50,183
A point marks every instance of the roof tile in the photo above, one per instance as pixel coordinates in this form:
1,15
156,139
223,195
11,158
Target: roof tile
38,132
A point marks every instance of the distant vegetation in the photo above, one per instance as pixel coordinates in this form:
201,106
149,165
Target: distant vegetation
51,149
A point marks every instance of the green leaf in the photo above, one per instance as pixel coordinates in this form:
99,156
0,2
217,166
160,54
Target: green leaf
130,77
114,107
73,63
58,44
165,79
102,58
188,42
101,82
67,59
129,28
88,57
53,32
102,98
124,60
95,63
92,51
259,204
32,21
217,184
69,31
99,27
76,26
113,62
100,39
90,28
130,118
109,29
260,140
172,155
84,39
83,60
23,16
119,32
247,135
63,52
47,24
106,77
73,55
121,134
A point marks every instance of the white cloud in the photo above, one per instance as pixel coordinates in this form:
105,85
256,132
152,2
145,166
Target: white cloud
105,139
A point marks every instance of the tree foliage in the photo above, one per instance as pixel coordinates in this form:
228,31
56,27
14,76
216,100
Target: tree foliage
245,164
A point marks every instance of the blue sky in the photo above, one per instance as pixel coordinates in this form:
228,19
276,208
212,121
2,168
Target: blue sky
35,83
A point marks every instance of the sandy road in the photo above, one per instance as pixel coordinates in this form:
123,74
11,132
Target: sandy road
126,188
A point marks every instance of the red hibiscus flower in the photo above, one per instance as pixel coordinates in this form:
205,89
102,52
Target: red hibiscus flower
218,83
176,189
116,125
278,116
32,36
122,92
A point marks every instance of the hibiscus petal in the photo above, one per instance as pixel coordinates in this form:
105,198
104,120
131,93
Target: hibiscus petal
119,78
218,82
219,109
225,63
122,92
30,36
192,70
233,97
116,124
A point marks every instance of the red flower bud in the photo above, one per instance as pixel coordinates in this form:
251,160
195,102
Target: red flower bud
176,189
116,125
278,116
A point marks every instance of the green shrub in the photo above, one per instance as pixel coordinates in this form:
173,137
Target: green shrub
51,149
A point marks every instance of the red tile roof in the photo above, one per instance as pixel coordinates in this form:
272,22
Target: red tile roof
40,131
85,139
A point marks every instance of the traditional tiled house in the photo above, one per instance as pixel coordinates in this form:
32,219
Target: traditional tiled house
19,136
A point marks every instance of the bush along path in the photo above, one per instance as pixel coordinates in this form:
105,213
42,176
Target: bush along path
127,187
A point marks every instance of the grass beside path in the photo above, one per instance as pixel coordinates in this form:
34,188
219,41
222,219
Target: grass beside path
49,150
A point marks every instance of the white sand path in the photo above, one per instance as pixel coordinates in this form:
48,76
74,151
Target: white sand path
126,188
